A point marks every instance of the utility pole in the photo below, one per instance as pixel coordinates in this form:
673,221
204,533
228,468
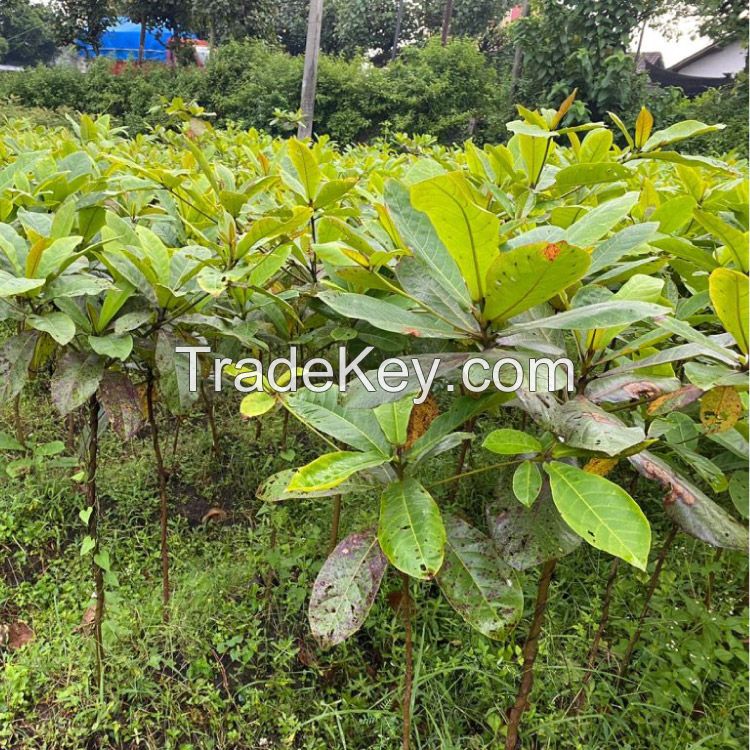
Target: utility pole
447,16
310,74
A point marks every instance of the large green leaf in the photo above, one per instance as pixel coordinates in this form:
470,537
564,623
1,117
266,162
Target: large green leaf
601,512
411,530
476,582
56,324
731,237
420,237
527,483
468,231
679,132
274,489
527,276
345,588
600,220
599,315
13,286
331,469
393,419
357,428
387,316
729,297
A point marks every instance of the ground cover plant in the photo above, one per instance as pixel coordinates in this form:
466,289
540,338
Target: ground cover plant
211,521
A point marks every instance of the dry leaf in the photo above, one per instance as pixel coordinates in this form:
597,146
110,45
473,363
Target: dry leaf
721,407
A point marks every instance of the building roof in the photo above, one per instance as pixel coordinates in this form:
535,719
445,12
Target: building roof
650,58
713,47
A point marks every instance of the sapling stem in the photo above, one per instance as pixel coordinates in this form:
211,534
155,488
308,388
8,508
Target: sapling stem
579,701
652,584
163,499
335,521
530,648
408,661
92,501
209,404
708,600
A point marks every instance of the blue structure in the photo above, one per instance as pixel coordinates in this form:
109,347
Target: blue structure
121,43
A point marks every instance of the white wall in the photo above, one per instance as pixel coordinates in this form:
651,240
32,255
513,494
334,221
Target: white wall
729,59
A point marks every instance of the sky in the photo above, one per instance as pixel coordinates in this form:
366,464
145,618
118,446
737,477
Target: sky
681,42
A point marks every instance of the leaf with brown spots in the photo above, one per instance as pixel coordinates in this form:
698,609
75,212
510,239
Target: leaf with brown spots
721,407
422,416
600,466
121,403
674,401
346,587
15,635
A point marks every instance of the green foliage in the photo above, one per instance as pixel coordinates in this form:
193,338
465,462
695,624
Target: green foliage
26,34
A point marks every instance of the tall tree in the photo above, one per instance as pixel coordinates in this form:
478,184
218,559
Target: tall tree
27,34
83,22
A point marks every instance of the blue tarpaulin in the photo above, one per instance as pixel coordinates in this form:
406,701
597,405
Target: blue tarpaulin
121,42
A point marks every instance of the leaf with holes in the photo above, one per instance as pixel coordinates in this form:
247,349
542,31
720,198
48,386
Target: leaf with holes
346,587
601,512
476,582
411,530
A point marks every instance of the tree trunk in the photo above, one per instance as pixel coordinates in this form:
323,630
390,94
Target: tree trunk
447,17
518,55
92,502
397,30
142,42
335,521
530,649
310,74
163,498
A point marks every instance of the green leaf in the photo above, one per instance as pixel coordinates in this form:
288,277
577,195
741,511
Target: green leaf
54,258
273,489
591,174
739,492
600,220
9,443
393,419
387,316
174,374
75,380
346,587
13,286
115,347
507,442
601,512
469,232
731,237
527,482
331,469
729,296
87,545
599,315
411,530
306,166
257,403
56,324
333,190
420,237
475,581
527,276
358,428
679,132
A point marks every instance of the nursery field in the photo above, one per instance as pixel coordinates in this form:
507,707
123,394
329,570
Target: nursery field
251,553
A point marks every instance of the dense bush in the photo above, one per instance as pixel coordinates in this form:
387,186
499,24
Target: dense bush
451,93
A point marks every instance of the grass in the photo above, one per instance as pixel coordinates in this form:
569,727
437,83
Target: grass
236,668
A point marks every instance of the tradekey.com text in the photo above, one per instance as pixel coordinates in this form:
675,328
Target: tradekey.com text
395,375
